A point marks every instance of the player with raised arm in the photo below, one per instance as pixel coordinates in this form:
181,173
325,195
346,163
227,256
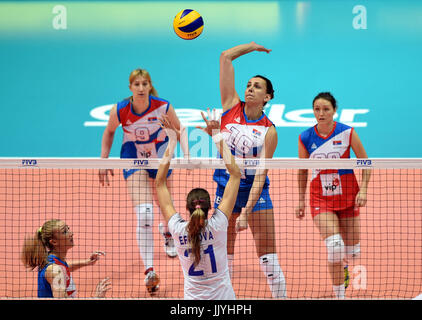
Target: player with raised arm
201,242
47,251
250,134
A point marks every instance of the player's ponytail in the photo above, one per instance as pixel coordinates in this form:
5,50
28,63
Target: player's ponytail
198,204
36,246
194,228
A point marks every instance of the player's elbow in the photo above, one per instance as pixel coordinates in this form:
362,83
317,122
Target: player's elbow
225,57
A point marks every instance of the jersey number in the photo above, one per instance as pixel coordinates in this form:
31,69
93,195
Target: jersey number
330,155
239,141
142,134
210,251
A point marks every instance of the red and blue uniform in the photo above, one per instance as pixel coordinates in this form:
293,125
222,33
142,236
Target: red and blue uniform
44,288
331,190
143,136
246,139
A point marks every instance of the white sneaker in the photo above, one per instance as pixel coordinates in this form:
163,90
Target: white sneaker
151,281
169,247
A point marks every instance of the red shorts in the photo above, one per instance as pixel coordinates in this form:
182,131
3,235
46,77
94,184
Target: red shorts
345,213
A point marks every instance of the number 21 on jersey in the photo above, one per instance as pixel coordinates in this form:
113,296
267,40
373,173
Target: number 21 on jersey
210,251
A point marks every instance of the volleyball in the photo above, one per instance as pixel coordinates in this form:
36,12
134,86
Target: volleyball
188,24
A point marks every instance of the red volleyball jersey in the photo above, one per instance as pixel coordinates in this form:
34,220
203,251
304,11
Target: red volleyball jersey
331,189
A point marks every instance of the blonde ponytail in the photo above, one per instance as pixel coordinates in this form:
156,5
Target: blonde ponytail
36,246
194,229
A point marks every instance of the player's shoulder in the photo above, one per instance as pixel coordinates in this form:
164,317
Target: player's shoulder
307,134
52,271
158,104
176,224
159,100
342,127
267,121
122,104
218,218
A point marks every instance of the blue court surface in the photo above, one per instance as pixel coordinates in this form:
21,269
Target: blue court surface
63,64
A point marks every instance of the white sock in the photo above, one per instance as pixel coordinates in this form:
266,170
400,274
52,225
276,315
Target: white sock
275,277
230,258
144,234
339,291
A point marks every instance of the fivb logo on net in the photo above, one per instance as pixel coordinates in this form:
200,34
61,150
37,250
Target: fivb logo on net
29,162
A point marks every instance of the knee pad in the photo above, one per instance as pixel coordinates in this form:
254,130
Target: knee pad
335,248
145,214
270,266
353,252
275,277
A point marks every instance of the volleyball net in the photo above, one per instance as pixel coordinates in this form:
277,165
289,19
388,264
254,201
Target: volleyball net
33,191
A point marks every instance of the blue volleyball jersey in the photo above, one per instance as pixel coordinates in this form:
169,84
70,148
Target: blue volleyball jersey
44,288
246,139
143,136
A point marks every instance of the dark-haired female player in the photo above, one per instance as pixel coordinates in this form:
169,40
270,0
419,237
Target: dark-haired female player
250,134
335,196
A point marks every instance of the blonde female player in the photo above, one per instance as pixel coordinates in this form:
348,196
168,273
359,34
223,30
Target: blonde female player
47,250
143,137
335,197
201,242
250,134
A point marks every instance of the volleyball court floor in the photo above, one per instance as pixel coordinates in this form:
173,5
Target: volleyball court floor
102,218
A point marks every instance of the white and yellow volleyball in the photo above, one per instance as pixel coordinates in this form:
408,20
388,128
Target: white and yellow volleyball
188,24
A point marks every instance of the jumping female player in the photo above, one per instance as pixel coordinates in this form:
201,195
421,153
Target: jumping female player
47,250
250,134
201,242
335,197
143,137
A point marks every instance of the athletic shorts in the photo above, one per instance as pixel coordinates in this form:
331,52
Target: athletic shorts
350,212
264,202
151,172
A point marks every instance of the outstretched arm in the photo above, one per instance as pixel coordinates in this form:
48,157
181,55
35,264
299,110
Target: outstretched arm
229,96
163,194
77,264
232,188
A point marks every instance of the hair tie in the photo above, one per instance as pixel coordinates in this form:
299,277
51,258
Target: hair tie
39,230
198,206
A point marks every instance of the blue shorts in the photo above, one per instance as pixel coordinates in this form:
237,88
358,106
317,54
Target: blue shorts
264,202
151,172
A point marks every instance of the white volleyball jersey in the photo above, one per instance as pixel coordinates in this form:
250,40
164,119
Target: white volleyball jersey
210,279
